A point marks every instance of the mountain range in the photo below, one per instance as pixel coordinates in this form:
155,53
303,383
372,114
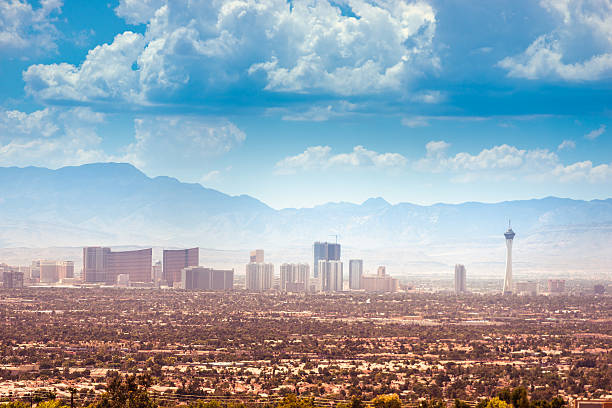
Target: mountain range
116,204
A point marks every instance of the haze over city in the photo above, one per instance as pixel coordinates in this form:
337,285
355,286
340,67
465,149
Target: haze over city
305,204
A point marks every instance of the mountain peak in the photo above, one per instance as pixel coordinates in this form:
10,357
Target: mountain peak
375,202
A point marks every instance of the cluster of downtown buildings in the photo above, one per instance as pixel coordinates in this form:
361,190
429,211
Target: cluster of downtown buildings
328,274
180,269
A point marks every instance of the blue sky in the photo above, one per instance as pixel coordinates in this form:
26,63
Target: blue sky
299,103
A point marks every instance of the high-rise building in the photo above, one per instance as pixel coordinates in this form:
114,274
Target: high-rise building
259,276
95,263
49,271
355,273
556,285
331,275
35,270
324,251
200,278
529,288
257,256
177,259
101,265
66,270
509,235
294,277
136,264
12,279
381,282
27,272
460,279
157,272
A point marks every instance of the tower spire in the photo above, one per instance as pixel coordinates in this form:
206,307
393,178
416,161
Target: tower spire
509,235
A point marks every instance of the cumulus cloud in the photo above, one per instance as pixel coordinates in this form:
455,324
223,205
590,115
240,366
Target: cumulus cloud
212,47
321,158
509,162
567,145
180,142
579,49
594,134
50,137
584,171
106,74
23,27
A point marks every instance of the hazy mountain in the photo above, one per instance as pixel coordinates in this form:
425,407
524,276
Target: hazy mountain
116,204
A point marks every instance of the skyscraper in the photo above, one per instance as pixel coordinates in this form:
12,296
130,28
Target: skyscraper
136,264
175,260
101,265
324,251
95,260
200,278
460,285
49,271
294,277
355,273
509,234
66,270
257,256
259,276
331,275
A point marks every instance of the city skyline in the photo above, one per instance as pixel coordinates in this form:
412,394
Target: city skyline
301,203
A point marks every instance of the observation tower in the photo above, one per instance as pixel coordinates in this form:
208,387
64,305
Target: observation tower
509,234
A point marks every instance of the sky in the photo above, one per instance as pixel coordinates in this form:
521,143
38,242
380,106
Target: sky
303,102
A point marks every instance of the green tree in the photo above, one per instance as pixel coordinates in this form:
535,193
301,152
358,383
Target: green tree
15,404
497,403
52,404
387,401
460,404
292,401
125,392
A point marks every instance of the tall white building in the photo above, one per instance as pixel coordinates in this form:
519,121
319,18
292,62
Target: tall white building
460,275
331,275
259,276
509,235
355,273
294,277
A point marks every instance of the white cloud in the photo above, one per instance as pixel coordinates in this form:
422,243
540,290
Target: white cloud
138,11
317,113
594,134
180,142
436,148
25,28
106,74
321,158
498,158
429,97
509,162
579,49
55,137
424,120
50,137
206,47
584,171
567,145
210,176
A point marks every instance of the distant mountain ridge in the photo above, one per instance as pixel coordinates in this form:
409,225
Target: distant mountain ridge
117,204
